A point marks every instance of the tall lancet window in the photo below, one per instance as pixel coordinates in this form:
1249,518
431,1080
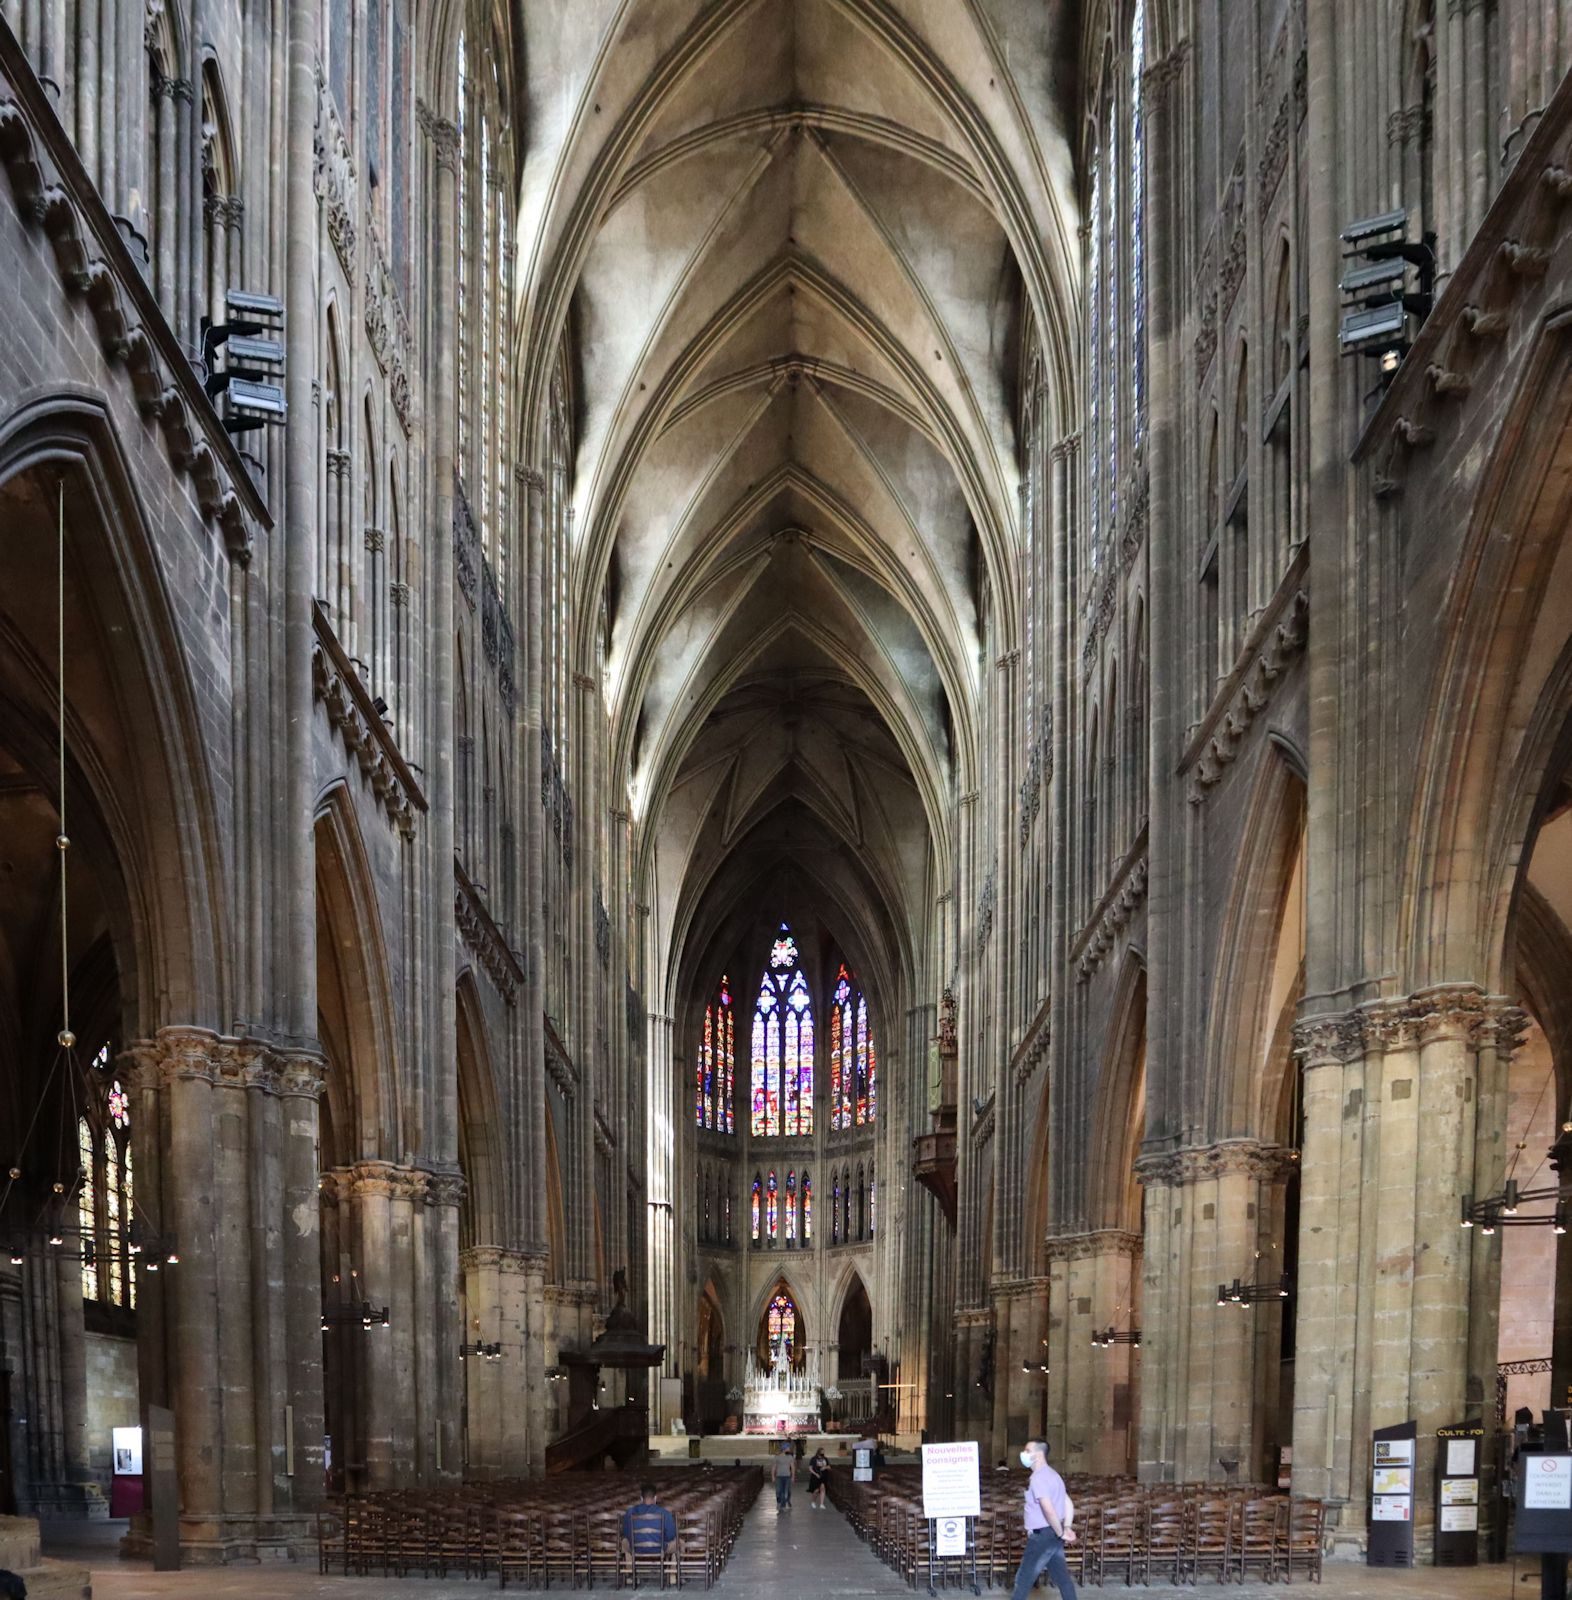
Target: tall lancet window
714,1074
781,1324
104,1198
1137,226
854,1064
783,1045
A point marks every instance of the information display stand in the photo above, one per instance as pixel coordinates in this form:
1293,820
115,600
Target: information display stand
1457,1494
1544,1516
1392,1452
951,1503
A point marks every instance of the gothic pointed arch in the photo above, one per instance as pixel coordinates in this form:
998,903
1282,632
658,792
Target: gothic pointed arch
490,1206
354,989
1262,921
144,807
779,1312
1119,1106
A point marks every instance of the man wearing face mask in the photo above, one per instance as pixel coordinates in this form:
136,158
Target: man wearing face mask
1049,1513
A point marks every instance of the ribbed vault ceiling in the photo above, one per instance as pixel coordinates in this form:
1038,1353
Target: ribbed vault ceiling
788,239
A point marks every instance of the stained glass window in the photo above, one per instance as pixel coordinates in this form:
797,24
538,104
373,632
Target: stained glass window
853,1064
771,1209
782,1323
461,284
1111,299
1094,363
755,1210
1137,223
873,1190
715,1072
791,1206
807,1209
782,1092
835,1210
87,1209
104,1200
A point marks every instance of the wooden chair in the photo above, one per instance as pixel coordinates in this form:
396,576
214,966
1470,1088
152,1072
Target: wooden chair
1163,1552
332,1540
603,1547
1211,1538
560,1553
1119,1539
1260,1539
656,1564
1304,1539
696,1548
519,1547
452,1534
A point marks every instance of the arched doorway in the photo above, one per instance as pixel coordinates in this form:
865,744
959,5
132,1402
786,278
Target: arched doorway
854,1335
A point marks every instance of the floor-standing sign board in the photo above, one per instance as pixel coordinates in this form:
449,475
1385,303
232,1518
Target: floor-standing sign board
1392,1496
1457,1494
951,1501
163,1492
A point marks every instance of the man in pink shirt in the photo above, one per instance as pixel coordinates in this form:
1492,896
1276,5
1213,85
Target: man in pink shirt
1049,1513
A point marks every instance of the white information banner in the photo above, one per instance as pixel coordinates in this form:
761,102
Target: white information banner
949,1536
1460,1457
1547,1484
1460,1491
949,1480
1459,1519
1391,1452
1390,1508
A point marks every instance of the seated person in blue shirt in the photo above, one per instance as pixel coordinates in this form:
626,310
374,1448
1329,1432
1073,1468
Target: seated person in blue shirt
648,1528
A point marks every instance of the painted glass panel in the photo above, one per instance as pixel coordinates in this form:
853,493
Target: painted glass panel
782,1323
86,1210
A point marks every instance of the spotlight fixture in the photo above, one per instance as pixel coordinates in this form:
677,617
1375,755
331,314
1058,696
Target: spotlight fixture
253,342
1382,305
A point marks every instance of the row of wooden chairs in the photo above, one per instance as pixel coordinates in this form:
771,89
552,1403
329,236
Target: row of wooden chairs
539,1533
1175,1533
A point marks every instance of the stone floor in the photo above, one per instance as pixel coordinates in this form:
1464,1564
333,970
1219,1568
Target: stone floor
800,1555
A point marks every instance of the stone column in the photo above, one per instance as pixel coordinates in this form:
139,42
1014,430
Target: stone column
501,1393
298,1481
1398,1303
225,1162
1020,1392
1208,1371
440,1367
1091,1286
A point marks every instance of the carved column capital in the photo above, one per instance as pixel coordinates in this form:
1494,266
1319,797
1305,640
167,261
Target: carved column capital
445,1188
1267,1163
1095,1243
